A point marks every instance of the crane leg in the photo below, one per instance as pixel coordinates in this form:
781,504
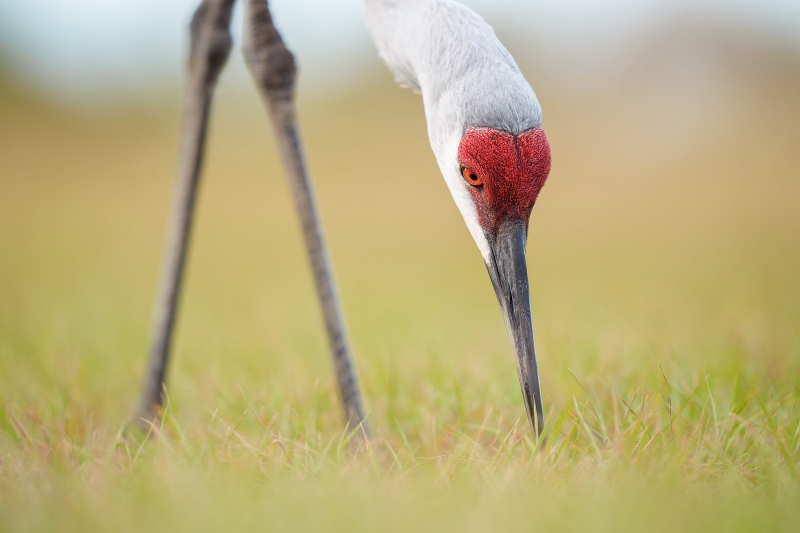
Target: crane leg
274,71
210,47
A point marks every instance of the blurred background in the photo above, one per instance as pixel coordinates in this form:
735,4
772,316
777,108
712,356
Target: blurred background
667,239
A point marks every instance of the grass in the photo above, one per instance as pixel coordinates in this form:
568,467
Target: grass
665,300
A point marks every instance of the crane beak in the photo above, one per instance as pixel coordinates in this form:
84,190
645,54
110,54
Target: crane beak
509,273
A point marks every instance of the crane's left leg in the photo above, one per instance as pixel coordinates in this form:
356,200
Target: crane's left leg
274,70
210,47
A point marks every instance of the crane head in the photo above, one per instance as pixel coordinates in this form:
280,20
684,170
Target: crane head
503,174
484,125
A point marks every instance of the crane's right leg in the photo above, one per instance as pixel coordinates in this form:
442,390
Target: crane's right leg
274,71
210,47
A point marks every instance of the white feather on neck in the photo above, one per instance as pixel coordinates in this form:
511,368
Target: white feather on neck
447,52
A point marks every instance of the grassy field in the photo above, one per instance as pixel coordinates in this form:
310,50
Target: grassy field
664,255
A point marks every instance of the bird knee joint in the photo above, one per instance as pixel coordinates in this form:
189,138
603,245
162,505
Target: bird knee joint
271,63
210,37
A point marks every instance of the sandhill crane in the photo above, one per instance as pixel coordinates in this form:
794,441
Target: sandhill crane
484,126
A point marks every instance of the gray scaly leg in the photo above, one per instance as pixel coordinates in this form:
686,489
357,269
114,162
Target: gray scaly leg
274,71
210,47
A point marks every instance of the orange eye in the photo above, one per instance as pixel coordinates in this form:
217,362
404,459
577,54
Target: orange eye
471,178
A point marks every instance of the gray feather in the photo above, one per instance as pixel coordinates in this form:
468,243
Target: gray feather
451,55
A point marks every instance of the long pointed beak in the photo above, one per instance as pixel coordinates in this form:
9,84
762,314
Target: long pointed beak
509,274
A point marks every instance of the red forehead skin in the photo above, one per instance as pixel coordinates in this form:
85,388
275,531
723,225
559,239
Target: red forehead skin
513,169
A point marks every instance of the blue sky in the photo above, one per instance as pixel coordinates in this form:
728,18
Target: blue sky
81,48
